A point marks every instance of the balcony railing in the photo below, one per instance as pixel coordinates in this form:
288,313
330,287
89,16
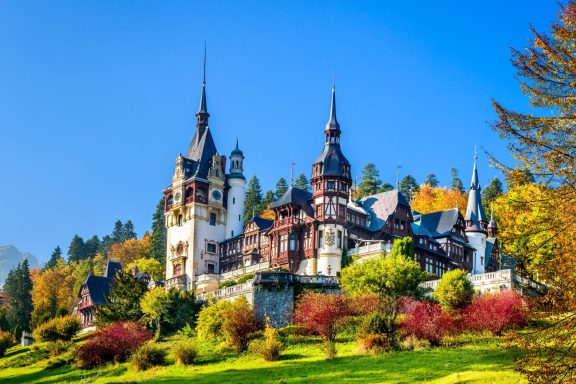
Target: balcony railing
289,221
178,282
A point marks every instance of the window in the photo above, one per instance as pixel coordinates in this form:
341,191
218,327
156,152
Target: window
210,268
292,242
232,234
320,239
339,240
283,239
210,247
179,220
330,185
212,219
233,200
239,218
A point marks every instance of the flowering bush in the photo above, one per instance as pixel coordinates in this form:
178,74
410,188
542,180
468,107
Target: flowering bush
496,312
428,321
7,340
59,328
239,322
113,343
322,314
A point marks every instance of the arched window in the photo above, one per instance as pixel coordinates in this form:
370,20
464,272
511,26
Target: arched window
292,242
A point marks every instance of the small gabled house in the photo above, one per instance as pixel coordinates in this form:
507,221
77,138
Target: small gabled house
93,291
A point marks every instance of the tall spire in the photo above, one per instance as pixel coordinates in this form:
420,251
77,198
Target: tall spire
203,108
332,124
475,216
475,183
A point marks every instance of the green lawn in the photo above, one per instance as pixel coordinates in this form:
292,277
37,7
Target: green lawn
482,361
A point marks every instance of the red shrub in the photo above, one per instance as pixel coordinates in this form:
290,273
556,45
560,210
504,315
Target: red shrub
113,343
496,312
322,314
239,322
428,321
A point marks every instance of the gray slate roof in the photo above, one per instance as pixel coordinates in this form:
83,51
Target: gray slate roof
98,287
381,206
436,224
200,153
111,268
262,223
474,210
296,196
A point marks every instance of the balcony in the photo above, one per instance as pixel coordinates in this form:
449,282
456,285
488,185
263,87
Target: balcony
178,282
374,249
289,221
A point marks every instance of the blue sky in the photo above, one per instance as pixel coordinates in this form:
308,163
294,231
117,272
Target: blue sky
98,97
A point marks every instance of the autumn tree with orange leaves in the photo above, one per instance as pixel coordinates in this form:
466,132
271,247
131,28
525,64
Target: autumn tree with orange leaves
432,199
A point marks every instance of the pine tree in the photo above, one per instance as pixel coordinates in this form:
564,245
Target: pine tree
267,199
54,258
92,245
386,187
18,287
281,188
491,192
370,183
123,301
302,183
431,180
456,182
253,199
118,233
128,232
408,186
77,249
158,238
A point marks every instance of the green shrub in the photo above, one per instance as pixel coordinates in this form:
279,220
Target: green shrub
245,278
185,352
329,349
228,283
454,290
58,347
60,361
412,343
209,323
292,330
7,340
187,331
269,348
25,359
148,356
59,328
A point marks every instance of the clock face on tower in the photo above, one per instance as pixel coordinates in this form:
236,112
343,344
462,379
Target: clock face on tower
177,196
216,194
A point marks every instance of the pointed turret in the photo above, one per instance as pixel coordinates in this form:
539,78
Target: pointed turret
202,115
492,226
475,216
332,126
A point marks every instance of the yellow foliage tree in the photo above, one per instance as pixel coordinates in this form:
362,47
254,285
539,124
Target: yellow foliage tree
52,291
152,266
130,250
432,199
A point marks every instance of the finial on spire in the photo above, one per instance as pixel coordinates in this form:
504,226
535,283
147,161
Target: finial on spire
332,124
203,108
491,212
398,176
333,80
292,174
236,141
204,74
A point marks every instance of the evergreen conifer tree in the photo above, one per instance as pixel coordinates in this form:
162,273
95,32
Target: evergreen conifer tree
386,187
456,182
118,233
267,199
302,183
408,186
77,249
491,192
128,232
54,258
123,301
253,199
370,183
92,245
18,287
431,180
281,188
158,237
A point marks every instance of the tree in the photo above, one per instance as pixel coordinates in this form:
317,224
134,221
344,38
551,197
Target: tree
491,192
130,250
431,180
128,232
154,305
456,182
253,199
238,324
370,183
302,183
118,233
432,199
454,290
91,246
18,287
281,188
54,258
158,237
388,277
52,293
542,141
409,186
123,300
151,266
403,247
77,249
386,187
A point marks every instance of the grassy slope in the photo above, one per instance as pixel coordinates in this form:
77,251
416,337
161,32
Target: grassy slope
482,362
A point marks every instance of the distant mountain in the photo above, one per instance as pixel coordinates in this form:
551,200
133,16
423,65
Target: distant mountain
10,256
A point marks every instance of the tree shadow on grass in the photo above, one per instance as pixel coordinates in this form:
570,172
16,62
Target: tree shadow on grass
65,374
400,367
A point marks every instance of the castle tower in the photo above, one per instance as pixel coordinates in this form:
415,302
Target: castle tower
195,215
331,183
236,192
476,223
492,226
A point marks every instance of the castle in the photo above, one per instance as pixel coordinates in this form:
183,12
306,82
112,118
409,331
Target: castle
208,241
